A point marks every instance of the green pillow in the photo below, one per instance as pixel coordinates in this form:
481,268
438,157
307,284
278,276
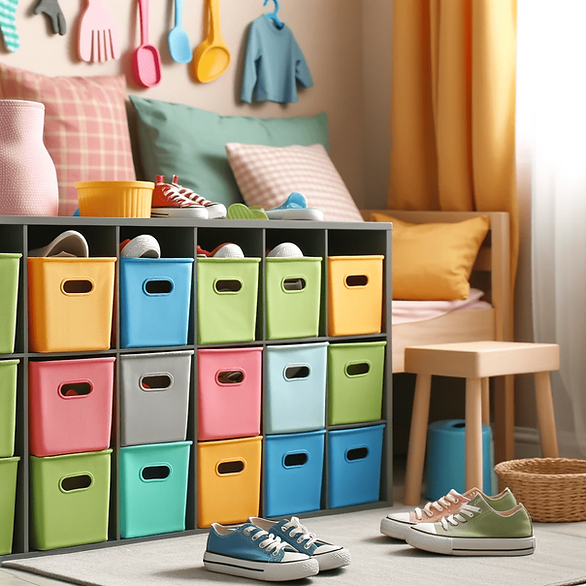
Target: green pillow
174,139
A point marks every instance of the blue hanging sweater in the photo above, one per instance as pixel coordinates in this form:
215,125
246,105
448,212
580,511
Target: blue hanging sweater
274,63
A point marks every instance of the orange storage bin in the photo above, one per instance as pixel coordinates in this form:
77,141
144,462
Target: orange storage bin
355,295
70,303
228,480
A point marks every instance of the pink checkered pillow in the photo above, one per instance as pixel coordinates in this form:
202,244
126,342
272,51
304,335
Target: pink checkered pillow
266,175
86,129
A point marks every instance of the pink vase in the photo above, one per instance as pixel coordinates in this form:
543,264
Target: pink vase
28,180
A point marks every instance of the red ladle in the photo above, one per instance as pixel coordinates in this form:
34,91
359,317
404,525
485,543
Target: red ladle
146,60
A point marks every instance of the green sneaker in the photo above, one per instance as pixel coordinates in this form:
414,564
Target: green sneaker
477,529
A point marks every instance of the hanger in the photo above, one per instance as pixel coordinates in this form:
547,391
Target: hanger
273,15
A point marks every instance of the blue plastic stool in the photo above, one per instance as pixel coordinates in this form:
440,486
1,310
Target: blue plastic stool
445,459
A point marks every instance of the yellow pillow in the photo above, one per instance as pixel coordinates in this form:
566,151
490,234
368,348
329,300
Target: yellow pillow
433,262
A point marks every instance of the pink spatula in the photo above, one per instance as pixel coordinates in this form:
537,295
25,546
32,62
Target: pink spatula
146,61
98,34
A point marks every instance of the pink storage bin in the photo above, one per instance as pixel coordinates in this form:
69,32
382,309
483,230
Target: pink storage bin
229,393
70,405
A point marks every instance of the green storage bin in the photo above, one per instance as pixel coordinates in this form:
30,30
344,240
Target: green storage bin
70,498
8,376
293,290
227,293
8,470
355,382
9,268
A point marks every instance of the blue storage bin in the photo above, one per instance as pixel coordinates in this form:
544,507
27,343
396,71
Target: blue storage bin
446,457
153,488
293,472
354,465
155,298
295,398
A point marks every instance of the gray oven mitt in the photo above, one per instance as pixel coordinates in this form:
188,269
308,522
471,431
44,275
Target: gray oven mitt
52,9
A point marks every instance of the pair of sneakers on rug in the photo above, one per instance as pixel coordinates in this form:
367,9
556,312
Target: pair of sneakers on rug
471,523
271,550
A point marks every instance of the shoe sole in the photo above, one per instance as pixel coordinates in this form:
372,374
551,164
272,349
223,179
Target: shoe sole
199,212
394,529
296,214
471,546
270,572
333,559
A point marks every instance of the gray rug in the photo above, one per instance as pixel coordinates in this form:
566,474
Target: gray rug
376,560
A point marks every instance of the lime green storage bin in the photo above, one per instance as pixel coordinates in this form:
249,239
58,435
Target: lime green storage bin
227,297
70,498
9,269
355,382
8,377
293,291
8,470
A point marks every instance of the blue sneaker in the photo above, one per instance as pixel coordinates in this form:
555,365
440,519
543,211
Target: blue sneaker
248,551
298,536
295,208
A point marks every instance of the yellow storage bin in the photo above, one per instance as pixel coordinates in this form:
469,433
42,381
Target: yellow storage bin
228,480
355,295
70,303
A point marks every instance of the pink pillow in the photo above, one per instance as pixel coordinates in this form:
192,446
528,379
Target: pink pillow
86,129
266,175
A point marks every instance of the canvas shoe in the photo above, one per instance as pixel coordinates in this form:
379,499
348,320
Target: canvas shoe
328,556
143,246
397,524
251,552
477,529
295,208
285,250
68,243
227,250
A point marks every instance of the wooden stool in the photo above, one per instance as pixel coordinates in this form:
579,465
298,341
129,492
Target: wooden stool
476,362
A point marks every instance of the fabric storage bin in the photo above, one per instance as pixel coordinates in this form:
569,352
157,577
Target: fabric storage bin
70,303
355,382
293,292
8,379
228,480
153,488
354,465
155,299
293,465
70,405
70,497
355,295
229,393
8,475
9,270
154,397
295,396
227,292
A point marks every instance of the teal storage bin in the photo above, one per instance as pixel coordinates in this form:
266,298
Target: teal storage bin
155,300
294,465
8,475
354,465
9,270
70,498
293,292
8,379
227,298
153,488
295,398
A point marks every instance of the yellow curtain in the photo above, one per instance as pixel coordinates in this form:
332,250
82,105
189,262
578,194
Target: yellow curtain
453,108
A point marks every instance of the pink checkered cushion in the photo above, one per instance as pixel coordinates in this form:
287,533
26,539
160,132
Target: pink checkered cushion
267,175
86,129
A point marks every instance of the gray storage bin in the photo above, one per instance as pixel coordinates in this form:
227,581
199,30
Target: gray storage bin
154,397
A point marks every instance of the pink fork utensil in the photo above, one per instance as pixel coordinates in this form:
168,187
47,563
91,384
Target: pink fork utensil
98,34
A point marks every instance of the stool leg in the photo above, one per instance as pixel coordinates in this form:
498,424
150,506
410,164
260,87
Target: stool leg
547,433
485,401
473,434
417,440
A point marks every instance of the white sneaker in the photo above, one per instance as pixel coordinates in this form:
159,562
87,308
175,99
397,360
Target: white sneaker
227,250
285,250
68,243
143,246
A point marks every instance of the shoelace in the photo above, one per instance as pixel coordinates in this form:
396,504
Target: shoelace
454,520
183,196
298,528
452,498
272,543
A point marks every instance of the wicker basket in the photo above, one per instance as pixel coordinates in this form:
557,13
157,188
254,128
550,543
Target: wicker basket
553,490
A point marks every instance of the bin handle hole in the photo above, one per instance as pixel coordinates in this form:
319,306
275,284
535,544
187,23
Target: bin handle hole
357,280
156,381
77,482
294,284
77,286
78,389
293,372
230,467
354,454
158,286
227,285
357,368
295,460
155,472
230,377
